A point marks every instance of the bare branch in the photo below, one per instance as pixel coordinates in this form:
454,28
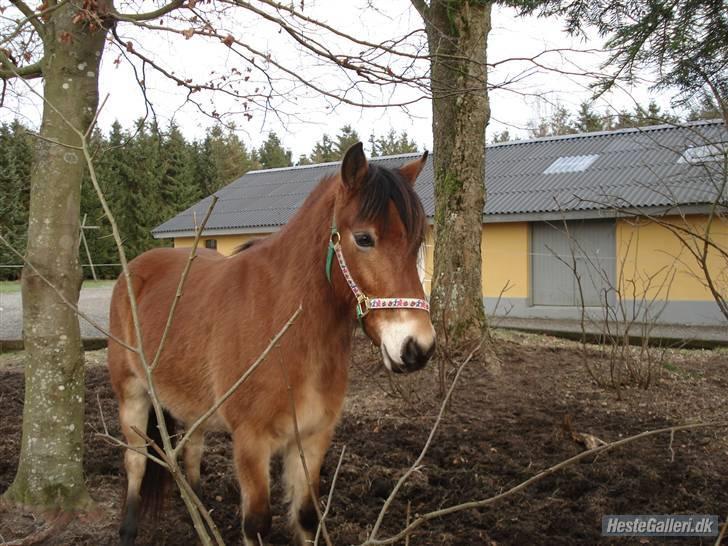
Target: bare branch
534,479
220,401
302,455
31,16
329,498
11,70
73,307
182,280
416,464
150,15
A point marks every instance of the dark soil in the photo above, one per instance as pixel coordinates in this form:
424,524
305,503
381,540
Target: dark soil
504,425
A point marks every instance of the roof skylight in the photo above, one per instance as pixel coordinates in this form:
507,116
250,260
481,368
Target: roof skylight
702,154
571,164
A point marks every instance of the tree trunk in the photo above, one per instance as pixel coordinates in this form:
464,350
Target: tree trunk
457,32
50,472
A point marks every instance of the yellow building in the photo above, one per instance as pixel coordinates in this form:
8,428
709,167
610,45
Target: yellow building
626,224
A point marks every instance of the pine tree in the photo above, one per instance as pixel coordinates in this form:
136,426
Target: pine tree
587,120
703,107
324,151
16,154
560,122
392,144
271,154
346,138
501,136
220,159
177,188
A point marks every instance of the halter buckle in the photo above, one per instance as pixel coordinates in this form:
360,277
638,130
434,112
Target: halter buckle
362,305
335,238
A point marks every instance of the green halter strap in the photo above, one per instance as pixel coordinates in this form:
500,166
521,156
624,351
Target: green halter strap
332,250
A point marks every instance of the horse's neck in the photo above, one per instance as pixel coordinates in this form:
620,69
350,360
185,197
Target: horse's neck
300,249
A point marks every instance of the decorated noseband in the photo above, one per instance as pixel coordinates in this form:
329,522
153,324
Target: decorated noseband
364,303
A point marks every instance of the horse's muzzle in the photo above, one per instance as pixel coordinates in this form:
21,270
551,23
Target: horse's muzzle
414,356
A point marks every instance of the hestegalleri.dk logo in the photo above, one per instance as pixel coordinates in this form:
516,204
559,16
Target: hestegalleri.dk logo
697,525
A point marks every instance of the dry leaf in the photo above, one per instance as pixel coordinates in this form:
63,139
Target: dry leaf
588,440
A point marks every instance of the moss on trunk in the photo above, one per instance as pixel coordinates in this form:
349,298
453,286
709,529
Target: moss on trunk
457,31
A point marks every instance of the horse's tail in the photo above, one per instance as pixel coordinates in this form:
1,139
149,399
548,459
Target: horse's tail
157,479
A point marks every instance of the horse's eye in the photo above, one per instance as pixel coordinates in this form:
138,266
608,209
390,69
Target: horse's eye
363,240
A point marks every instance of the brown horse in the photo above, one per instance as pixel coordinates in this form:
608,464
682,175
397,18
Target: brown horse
233,306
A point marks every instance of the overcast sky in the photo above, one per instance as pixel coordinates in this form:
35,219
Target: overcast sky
306,114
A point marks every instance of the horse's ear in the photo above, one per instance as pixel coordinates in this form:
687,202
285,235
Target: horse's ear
410,171
354,167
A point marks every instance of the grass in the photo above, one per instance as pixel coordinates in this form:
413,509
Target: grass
9,287
681,371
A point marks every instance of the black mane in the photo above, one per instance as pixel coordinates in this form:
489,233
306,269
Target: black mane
383,185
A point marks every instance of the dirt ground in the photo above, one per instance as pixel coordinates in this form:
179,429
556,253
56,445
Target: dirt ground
502,428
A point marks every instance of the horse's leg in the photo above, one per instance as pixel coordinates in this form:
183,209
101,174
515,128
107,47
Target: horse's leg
252,462
133,412
193,456
302,513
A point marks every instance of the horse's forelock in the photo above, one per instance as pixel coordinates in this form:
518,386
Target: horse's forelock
384,185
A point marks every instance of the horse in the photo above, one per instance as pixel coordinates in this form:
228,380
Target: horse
348,256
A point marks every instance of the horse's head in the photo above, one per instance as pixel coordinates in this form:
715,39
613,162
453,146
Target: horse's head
379,229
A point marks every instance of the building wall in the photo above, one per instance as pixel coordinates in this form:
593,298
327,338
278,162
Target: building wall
504,247
226,244
657,275
655,263
505,252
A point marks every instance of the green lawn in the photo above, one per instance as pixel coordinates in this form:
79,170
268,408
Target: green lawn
7,287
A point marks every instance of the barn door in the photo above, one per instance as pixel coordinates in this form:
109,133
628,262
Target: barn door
555,246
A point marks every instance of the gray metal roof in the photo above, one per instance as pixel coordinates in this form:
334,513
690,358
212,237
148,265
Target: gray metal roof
633,168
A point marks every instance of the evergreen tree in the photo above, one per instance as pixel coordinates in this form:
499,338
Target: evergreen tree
684,41
130,171
587,120
16,154
303,160
704,107
272,154
227,158
324,151
502,136
204,167
346,138
98,235
176,184
392,144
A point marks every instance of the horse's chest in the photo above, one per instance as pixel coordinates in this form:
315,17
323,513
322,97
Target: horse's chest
318,398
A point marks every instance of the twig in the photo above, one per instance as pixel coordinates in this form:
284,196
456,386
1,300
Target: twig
416,464
302,455
199,513
75,308
330,496
534,479
239,382
182,280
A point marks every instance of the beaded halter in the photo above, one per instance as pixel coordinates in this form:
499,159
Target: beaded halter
364,303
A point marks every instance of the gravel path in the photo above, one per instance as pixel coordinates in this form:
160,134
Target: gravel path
94,302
